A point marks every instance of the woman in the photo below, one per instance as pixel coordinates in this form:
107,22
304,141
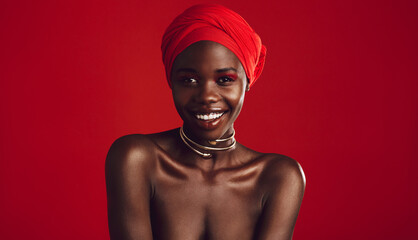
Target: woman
197,182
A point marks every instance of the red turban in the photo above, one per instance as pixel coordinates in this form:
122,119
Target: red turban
218,24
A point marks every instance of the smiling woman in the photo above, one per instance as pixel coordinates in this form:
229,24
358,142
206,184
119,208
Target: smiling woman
197,182
208,91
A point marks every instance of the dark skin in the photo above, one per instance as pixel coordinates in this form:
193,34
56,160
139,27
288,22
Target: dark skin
160,189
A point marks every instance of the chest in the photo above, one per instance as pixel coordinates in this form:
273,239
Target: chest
200,203
207,189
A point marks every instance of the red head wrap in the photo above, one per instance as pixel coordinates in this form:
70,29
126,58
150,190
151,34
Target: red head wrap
218,24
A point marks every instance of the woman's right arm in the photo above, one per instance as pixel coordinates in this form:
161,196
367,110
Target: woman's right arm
128,188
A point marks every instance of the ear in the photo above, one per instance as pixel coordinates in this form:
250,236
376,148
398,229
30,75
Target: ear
247,88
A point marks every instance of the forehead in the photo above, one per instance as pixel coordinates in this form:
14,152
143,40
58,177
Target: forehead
208,54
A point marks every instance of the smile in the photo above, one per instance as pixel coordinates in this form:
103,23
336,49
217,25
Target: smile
209,116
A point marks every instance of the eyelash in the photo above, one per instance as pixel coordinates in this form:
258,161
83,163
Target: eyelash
227,78
223,80
188,80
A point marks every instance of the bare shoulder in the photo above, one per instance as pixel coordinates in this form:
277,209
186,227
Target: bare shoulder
283,184
131,151
129,165
285,170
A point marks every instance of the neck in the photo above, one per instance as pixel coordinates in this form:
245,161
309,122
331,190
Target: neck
208,148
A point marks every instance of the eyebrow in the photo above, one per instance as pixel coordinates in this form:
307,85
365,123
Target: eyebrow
217,70
226,70
186,70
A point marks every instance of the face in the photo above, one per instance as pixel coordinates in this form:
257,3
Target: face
208,86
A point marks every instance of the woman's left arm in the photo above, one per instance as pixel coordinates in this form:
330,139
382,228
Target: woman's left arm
285,183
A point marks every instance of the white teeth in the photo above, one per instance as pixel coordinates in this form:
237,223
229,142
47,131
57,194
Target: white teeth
210,116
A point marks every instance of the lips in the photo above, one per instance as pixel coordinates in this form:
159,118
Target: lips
208,116
208,119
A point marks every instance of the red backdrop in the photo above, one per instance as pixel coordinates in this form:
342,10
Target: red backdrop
338,94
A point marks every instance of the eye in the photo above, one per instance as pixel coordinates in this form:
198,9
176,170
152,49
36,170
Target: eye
189,80
226,79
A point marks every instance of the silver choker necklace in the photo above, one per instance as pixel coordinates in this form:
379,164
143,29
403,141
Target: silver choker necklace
188,142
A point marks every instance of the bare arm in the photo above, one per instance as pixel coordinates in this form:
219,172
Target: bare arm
286,184
128,188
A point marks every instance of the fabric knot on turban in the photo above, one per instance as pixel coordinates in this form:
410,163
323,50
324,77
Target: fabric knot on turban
219,24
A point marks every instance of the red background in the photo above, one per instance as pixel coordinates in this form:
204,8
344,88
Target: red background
338,94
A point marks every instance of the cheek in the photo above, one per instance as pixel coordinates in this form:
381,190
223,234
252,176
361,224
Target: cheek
180,107
181,99
178,100
236,99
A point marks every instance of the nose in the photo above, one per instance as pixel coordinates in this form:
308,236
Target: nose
208,93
